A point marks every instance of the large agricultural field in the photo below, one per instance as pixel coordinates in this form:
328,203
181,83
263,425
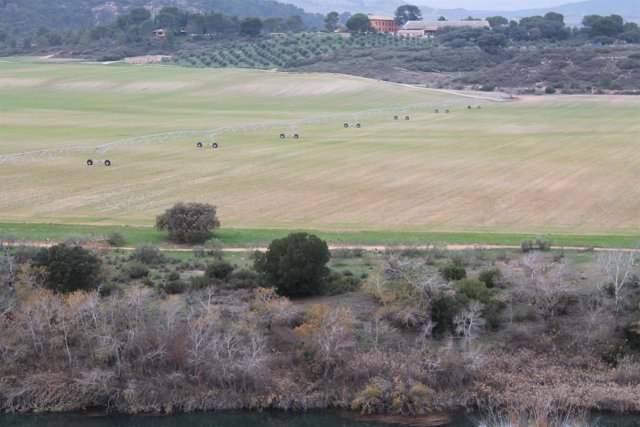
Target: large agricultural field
534,165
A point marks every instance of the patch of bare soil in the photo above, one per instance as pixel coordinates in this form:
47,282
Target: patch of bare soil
146,59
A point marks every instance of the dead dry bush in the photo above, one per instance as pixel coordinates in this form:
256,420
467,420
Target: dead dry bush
519,336
382,396
522,378
628,372
364,366
455,369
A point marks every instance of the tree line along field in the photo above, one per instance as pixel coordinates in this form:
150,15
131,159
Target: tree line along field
561,165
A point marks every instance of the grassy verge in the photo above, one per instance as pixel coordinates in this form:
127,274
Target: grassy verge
237,237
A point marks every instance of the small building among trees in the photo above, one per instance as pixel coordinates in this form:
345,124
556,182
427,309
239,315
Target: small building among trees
160,33
384,24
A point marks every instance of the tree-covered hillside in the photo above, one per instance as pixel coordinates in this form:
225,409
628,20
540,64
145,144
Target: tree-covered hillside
23,16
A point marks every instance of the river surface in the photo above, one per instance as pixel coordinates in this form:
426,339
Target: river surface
239,419
231,419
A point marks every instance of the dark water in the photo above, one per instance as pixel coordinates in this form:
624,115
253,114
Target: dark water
240,419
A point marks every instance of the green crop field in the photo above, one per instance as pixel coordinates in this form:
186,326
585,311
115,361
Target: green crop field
541,165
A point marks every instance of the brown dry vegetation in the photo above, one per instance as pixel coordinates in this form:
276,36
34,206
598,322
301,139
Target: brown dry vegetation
140,350
528,378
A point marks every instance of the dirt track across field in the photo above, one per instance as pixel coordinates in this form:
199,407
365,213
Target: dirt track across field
368,248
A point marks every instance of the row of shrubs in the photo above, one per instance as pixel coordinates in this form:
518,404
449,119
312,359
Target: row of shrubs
286,51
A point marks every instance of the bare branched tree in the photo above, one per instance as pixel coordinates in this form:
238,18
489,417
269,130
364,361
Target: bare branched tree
594,322
418,275
268,307
618,266
469,323
545,285
379,332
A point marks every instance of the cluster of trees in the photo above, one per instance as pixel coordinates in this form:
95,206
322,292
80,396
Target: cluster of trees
551,27
606,29
68,343
295,266
135,28
21,17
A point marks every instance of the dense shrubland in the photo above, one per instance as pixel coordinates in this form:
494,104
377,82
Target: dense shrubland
517,332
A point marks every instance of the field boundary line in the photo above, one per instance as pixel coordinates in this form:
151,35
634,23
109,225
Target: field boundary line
367,248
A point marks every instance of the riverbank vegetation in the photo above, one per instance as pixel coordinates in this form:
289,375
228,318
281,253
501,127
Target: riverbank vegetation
404,331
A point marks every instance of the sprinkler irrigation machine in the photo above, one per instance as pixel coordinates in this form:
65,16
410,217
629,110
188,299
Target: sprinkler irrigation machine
91,162
286,135
201,144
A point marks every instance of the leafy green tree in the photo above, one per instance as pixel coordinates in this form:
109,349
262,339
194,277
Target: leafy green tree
607,26
135,17
408,12
171,17
490,277
294,24
554,16
453,272
492,43
474,289
498,21
251,27
189,223
139,15
68,268
550,27
331,21
272,25
295,265
631,33
359,23
219,269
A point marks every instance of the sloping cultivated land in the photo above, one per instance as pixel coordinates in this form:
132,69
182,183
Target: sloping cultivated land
553,164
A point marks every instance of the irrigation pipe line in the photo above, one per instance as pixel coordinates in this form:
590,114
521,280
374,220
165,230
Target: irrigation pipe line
213,133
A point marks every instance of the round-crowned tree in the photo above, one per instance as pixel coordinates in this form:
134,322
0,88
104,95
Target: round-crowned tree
295,265
189,222
359,23
68,268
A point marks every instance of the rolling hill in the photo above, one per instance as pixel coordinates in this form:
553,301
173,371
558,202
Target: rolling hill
29,15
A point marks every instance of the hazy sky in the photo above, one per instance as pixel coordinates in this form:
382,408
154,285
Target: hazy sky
494,4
